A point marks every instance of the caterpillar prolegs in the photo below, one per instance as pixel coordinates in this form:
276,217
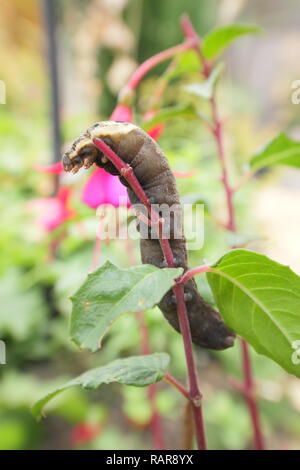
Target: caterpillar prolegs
137,148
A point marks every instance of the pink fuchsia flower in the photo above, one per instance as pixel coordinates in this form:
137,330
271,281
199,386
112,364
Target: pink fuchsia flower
122,113
53,211
103,188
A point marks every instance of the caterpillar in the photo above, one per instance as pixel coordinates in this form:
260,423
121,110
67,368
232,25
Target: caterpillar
137,148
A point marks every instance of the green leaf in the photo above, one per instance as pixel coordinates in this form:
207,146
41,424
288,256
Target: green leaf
205,89
260,300
216,40
139,371
185,63
282,150
110,291
166,114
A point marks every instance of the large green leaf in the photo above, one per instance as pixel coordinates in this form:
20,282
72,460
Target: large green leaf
139,371
260,300
282,150
216,40
110,291
205,89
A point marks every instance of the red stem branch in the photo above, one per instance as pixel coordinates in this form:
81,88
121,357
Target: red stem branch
248,387
192,272
218,134
156,422
174,382
250,396
194,393
156,59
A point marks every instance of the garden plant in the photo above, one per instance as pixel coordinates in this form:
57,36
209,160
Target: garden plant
258,298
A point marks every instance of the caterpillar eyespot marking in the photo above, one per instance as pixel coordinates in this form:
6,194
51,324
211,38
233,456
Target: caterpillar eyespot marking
152,170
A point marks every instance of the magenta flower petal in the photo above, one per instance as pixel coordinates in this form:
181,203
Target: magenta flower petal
54,169
116,192
122,113
103,188
93,194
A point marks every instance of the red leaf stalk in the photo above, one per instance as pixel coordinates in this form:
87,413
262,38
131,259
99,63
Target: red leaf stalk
217,130
156,59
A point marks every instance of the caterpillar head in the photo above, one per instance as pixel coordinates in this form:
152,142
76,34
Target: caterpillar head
84,153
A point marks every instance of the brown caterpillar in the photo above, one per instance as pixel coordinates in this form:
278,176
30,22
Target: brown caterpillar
152,170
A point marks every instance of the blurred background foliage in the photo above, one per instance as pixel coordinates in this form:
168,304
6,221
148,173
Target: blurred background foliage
100,42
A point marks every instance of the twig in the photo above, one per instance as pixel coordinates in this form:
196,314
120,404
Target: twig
194,393
247,387
192,272
250,396
174,382
244,178
156,422
144,68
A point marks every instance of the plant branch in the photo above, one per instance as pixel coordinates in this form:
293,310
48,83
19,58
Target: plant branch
217,130
156,419
250,396
194,393
243,179
218,134
156,59
192,272
174,382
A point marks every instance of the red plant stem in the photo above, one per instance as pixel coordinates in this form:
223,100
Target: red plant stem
248,385
156,422
127,172
190,33
150,63
192,272
250,397
218,134
174,382
194,392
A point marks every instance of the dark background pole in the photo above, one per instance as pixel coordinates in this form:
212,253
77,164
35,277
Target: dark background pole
50,24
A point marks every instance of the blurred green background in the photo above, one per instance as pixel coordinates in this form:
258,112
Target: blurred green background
100,43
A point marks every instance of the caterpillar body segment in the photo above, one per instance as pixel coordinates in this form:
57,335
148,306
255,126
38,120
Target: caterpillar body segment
137,148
